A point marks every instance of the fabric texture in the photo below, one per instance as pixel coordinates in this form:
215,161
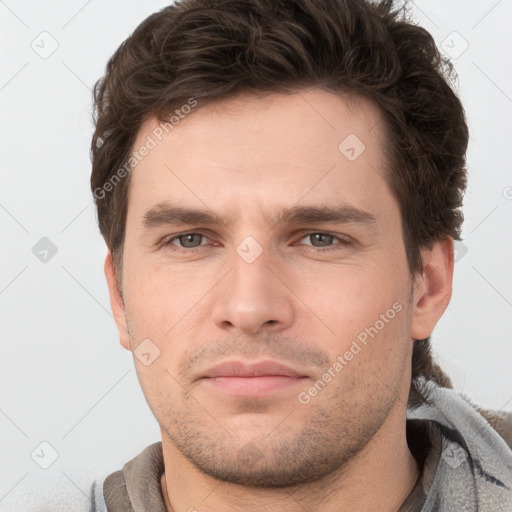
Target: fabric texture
466,467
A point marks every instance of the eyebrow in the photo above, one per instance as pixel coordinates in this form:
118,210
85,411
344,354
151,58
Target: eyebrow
165,214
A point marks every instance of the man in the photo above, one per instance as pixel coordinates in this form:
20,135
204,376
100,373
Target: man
279,184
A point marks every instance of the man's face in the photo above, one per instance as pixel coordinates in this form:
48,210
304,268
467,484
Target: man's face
262,286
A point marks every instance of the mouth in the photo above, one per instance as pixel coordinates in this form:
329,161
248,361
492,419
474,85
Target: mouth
241,379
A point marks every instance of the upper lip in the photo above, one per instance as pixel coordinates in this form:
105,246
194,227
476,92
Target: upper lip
241,369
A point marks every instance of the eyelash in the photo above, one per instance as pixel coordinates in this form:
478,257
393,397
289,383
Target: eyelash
168,245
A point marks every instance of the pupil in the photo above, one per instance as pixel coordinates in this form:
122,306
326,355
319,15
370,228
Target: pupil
185,239
320,236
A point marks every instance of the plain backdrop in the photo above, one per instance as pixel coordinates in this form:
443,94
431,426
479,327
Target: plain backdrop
64,379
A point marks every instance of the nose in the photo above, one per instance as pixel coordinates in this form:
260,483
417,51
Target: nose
252,298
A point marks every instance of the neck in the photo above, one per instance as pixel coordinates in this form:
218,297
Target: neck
379,477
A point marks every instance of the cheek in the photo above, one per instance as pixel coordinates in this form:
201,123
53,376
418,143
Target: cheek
159,386
155,294
350,297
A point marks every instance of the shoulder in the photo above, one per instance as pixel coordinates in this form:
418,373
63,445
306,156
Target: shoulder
122,489
500,421
473,463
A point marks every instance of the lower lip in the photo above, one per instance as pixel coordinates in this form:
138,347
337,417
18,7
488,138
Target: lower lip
253,386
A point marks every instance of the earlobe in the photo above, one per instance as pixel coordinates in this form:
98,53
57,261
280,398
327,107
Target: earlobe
433,288
116,302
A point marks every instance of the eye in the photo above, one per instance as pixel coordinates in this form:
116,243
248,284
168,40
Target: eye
324,241
185,242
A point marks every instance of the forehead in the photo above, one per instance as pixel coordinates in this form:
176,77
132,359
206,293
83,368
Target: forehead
262,149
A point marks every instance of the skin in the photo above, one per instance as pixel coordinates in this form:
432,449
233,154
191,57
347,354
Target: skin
245,159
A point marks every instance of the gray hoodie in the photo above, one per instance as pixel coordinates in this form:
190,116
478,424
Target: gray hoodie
467,464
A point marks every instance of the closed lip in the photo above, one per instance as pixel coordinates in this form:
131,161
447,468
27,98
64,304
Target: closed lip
260,369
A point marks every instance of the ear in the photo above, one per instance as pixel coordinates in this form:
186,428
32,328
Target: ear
432,288
116,302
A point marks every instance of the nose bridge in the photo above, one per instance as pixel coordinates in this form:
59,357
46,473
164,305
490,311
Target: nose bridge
252,297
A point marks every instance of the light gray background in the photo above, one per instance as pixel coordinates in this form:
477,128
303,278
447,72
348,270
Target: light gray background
64,378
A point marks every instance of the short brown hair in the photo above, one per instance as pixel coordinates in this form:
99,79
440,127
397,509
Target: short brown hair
215,49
